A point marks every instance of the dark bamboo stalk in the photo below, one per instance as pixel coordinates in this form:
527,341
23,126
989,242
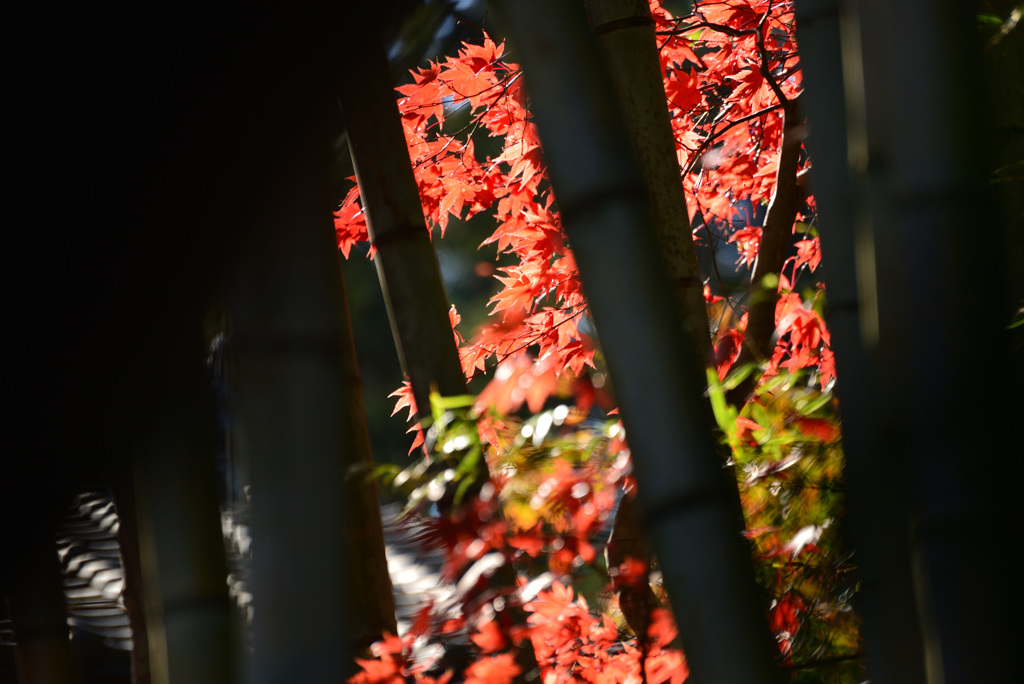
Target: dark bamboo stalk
123,490
182,551
875,477
318,552
43,652
371,590
925,192
625,35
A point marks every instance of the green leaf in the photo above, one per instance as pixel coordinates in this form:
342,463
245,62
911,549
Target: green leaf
781,381
738,375
464,486
760,416
813,406
455,401
467,466
382,472
725,414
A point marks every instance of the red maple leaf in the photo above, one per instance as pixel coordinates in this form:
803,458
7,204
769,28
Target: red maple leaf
494,669
489,638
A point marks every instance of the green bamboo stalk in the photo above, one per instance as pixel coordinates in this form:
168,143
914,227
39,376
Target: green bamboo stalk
406,263
625,35
689,499
624,30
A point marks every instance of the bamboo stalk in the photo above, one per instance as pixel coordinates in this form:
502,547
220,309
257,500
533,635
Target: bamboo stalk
921,184
182,552
43,653
320,584
406,263
877,501
625,35
123,491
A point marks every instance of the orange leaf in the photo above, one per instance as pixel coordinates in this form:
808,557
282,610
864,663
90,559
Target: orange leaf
819,428
489,638
746,423
495,669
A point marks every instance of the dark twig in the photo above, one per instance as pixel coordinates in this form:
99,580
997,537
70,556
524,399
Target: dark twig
712,137
776,235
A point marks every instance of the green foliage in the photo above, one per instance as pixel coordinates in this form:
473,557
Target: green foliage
557,476
785,446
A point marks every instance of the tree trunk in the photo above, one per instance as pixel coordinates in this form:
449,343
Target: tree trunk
875,481
406,263
776,237
919,179
43,654
320,582
181,546
689,498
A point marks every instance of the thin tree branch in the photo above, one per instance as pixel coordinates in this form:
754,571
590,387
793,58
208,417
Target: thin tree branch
717,134
776,235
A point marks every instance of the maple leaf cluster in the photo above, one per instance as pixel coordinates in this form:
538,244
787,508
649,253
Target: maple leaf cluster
725,69
730,68
723,66
540,302
572,645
